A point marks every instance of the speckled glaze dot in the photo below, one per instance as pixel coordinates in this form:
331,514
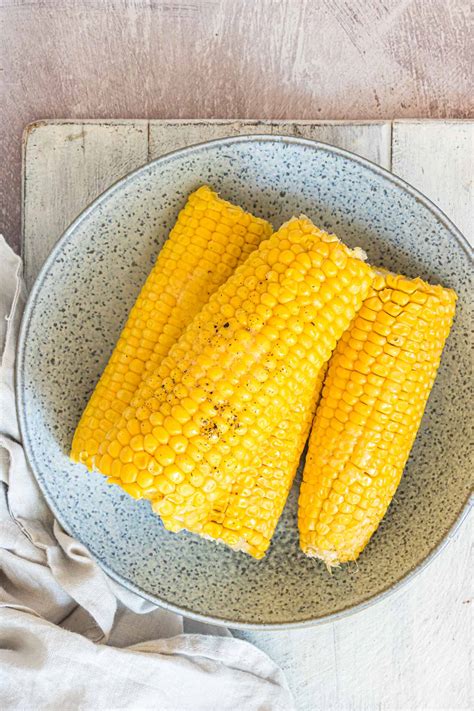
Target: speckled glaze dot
76,311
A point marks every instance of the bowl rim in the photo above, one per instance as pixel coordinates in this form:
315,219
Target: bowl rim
385,174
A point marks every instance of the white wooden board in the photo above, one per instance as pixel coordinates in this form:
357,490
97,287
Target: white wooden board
438,158
411,651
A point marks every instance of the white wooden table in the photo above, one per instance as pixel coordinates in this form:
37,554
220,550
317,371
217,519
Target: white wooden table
412,650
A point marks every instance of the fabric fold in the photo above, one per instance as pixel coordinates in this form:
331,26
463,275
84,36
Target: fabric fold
72,638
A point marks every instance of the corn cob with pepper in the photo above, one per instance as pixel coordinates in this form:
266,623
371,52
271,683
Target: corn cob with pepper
261,489
209,240
247,365
373,399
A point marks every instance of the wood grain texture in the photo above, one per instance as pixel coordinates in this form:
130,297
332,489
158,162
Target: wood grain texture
268,59
445,173
410,652
372,138
66,166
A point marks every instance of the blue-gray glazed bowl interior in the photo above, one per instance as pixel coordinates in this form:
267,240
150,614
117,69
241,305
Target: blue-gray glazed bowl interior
76,311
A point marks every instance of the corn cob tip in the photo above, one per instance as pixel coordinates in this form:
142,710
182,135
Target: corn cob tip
241,546
444,293
236,542
307,225
329,558
334,556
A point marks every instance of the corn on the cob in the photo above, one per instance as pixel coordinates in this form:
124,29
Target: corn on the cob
260,490
249,361
210,238
374,395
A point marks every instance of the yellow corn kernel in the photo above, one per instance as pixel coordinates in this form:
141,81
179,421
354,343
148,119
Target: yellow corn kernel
261,400
195,260
385,411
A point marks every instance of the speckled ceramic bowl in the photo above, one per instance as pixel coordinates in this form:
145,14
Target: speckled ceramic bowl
75,314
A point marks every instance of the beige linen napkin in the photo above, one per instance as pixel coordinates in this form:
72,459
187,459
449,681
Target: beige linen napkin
70,637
